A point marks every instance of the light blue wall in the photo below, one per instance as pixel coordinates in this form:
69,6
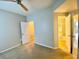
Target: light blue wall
44,24
43,27
9,29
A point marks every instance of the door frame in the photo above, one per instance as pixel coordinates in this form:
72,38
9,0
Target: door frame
56,14
73,12
56,27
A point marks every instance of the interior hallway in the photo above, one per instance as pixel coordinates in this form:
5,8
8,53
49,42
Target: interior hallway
31,51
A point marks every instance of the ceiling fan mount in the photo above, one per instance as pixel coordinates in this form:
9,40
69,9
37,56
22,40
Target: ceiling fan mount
18,1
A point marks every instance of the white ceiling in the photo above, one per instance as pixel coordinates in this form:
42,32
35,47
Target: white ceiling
11,6
39,4
30,4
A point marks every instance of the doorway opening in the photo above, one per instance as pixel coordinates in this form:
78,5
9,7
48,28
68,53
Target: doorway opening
28,33
66,32
66,27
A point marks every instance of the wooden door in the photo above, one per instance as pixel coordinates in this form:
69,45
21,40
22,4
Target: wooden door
23,32
68,32
64,33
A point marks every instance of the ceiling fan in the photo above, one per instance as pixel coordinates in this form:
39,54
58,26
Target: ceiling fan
18,2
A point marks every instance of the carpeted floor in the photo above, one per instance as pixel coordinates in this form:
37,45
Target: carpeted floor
31,51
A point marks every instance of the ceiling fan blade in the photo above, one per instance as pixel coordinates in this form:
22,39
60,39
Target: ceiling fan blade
24,7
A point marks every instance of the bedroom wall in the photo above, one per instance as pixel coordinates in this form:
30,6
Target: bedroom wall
10,29
44,25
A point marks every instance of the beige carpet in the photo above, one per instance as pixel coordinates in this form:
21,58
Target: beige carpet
31,51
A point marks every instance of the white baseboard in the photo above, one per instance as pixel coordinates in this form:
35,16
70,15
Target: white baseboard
10,48
55,48
46,45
